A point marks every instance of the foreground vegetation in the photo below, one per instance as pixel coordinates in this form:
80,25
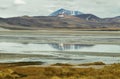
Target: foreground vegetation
94,63
62,72
85,64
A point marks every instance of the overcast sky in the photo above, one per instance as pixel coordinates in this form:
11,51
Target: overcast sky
101,8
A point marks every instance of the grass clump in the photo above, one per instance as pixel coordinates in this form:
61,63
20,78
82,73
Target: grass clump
61,64
19,64
9,74
94,63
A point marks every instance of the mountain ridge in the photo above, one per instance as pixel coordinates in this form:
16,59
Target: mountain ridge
81,21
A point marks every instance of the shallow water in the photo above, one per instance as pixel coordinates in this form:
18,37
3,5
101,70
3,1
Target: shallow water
55,46
60,52
8,47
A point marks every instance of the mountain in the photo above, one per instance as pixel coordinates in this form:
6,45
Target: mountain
66,12
114,19
89,17
77,20
38,22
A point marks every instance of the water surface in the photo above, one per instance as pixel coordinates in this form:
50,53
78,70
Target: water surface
59,52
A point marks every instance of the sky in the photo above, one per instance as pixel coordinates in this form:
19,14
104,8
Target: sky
101,8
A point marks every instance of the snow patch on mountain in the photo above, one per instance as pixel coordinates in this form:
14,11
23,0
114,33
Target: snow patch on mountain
66,12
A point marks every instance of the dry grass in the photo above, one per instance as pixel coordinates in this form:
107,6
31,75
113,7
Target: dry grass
94,63
10,65
62,64
10,74
85,64
108,72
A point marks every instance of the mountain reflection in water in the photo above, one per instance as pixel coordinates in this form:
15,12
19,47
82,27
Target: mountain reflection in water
7,47
63,47
58,52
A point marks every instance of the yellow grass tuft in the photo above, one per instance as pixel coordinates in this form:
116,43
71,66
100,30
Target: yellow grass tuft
94,63
61,64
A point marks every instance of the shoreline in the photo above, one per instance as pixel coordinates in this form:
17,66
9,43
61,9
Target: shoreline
49,59
42,64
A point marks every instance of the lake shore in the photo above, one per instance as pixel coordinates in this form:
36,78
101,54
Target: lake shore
15,64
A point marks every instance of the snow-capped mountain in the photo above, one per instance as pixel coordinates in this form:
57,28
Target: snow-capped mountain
66,12
78,20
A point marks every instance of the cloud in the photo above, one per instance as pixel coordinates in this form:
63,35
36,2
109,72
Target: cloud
19,2
101,8
3,7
